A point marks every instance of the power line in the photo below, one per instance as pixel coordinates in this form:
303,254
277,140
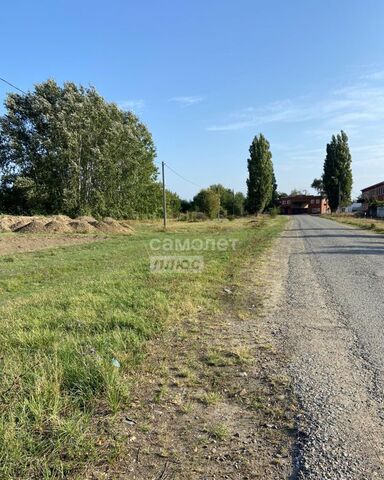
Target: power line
13,86
182,177
23,91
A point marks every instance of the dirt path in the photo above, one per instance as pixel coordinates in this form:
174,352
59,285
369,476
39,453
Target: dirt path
213,401
18,243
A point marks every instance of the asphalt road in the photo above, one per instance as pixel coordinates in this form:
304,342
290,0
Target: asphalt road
331,320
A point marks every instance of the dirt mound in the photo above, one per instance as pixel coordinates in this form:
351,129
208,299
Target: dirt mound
62,218
109,220
18,222
119,227
79,226
36,226
123,223
56,226
85,218
63,224
111,227
5,224
4,228
103,227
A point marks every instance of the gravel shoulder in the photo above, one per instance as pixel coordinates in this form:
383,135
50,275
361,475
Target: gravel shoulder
329,321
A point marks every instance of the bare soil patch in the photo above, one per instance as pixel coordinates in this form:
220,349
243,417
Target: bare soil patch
10,244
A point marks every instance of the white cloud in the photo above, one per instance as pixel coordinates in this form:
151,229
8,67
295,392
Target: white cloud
361,103
375,75
132,104
187,101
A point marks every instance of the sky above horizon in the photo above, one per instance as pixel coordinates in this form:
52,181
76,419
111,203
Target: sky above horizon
207,76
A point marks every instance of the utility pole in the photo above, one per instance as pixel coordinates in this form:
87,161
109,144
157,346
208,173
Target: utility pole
164,198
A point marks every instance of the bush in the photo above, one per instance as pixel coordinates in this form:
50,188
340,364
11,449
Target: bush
274,211
196,217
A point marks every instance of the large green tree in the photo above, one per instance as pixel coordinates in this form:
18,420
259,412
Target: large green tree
337,174
260,175
64,149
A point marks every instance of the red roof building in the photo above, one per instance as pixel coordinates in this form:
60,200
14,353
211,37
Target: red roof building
374,192
310,204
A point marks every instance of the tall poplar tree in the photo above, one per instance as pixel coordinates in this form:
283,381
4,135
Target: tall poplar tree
260,175
337,174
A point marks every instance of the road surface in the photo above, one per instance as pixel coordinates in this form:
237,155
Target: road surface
331,319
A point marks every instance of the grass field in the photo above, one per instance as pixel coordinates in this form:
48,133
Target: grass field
367,223
74,325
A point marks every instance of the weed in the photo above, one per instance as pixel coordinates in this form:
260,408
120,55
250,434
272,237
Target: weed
215,358
186,407
210,398
161,393
145,427
219,431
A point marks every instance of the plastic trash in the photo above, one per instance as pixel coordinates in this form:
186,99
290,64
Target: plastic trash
115,363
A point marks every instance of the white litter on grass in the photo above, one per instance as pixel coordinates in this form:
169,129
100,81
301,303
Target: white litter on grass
115,363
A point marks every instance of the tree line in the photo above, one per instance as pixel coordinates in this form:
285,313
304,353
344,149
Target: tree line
65,149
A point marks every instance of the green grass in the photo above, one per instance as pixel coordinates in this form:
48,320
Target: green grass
67,315
374,225
219,431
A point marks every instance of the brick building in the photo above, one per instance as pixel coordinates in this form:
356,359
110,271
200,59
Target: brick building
298,204
374,192
370,195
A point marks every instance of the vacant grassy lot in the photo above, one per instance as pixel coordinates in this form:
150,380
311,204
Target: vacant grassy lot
73,326
366,223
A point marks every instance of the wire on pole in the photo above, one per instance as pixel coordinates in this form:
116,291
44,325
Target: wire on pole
13,86
182,177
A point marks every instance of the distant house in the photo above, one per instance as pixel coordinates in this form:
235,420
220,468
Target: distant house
374,192
371,195
298,204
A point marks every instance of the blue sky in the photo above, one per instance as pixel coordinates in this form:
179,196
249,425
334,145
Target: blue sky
206,76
